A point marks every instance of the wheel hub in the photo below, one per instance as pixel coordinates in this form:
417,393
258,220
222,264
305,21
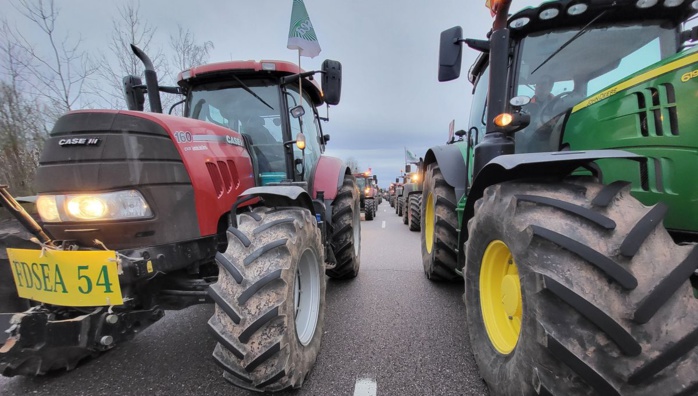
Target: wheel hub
511,295
306,293
500,297
429,223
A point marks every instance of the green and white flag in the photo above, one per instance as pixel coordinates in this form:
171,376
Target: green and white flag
410,158
301,35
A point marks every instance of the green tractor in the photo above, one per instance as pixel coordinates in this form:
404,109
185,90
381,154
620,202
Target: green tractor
569,210
412,198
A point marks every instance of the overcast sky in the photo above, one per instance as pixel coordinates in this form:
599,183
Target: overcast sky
391,98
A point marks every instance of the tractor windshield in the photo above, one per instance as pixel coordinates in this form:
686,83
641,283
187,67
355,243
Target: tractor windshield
361,182
595,60
258,120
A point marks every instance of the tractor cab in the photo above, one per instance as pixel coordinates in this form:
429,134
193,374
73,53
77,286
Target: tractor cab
554,60
262,101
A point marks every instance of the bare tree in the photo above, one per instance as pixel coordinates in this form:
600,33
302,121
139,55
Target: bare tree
56,71
22,133
38,83
127,28
187,53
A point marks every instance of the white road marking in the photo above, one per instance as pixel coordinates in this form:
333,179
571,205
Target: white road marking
383,224
365,387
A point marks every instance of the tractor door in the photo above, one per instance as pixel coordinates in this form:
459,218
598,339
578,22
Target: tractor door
478,119
310,125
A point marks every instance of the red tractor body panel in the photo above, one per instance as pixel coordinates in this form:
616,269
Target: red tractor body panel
329,176
215,159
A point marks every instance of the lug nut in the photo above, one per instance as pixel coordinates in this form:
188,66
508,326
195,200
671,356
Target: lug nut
106,340
112,319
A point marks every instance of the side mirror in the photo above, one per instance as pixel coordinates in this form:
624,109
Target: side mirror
133,93
450,53
297,112
375,178
397,180
408,168
332,81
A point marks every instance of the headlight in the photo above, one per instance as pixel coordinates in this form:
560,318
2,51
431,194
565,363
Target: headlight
367,190
119,205
415,178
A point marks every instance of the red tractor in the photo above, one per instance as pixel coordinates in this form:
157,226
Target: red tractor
234,203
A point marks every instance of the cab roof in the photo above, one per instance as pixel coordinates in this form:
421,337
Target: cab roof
554,14
248,69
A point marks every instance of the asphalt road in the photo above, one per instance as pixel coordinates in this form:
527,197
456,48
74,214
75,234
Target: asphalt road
390,331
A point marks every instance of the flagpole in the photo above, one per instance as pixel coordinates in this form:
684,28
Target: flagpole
300,80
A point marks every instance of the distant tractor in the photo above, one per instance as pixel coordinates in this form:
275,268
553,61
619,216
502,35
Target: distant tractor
570,208
392,197
233,204
412,198
369,193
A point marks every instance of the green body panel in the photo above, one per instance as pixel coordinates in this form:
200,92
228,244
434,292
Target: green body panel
411,187
655,116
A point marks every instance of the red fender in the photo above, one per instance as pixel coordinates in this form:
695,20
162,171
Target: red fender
328,176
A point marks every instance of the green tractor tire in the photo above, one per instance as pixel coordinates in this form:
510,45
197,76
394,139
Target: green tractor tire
406,210
415,212
439,224
270,300
575,288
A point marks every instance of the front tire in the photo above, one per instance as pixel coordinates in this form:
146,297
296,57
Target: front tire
573,288
270,300
439,223
369,209
400,203
346,237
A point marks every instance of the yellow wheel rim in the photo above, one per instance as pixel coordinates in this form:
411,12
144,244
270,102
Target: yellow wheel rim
429,223
500,297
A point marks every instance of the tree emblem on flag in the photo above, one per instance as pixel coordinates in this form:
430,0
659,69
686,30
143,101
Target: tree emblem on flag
301,35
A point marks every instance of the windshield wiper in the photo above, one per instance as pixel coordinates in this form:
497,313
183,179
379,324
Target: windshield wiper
568,42
246,88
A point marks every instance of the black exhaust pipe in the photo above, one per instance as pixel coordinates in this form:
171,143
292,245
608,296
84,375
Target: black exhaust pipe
151,80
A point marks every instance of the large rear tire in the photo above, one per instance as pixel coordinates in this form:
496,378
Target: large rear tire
369,209
576,289
400,203
270,300
415,212
346,237
439,223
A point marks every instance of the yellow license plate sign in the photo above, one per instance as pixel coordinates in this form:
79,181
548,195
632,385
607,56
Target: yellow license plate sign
68,278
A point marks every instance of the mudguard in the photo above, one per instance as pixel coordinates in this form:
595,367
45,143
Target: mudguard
282,196
328,176
452,163
551,165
